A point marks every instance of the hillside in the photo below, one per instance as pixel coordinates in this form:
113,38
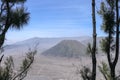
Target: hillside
42,44
67,48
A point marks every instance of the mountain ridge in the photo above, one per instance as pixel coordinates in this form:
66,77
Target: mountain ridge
66,48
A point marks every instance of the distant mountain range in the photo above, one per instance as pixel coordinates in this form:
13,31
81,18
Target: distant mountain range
67,48
56,46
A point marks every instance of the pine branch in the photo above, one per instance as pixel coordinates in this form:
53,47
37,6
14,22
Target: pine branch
27,62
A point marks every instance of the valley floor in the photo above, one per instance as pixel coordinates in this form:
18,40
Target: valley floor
56,68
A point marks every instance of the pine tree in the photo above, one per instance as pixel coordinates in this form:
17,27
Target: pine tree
109,12
92,49
13,15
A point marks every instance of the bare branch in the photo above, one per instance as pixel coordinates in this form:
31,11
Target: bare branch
1,58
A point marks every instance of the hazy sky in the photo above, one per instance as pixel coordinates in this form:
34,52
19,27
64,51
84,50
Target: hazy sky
57,18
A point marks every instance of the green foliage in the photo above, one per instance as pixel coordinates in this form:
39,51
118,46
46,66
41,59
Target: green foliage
19,17
103,9
109,13
8,72
111,3
90,49
105,71
13,15
104,45
24,68
108,25
86,73
108,17
108,22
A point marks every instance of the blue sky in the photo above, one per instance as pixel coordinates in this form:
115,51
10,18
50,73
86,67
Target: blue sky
57,18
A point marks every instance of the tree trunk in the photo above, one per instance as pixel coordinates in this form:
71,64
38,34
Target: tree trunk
117,43
117,34
7,25
113,72
2,39
94,42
